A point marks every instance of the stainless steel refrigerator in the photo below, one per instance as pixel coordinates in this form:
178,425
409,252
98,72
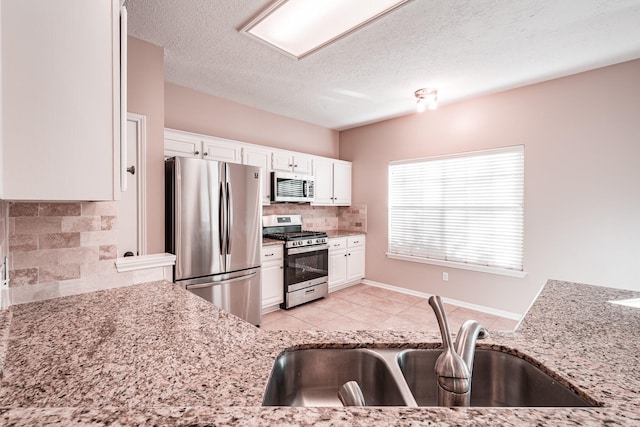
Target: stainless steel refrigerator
213,213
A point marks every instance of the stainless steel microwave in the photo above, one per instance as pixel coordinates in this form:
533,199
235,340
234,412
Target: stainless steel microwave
291,187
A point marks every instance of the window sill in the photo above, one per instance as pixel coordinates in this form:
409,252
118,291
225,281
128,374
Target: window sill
450,264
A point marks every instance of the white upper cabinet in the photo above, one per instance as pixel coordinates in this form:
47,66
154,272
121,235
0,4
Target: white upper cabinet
62,109
332,182
287,161
256,156
222,150
332,176
186,144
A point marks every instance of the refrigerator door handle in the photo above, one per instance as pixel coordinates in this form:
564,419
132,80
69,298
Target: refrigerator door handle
221,220
229,218
222,282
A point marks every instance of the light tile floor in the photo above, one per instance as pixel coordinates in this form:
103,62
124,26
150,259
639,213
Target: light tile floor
362,307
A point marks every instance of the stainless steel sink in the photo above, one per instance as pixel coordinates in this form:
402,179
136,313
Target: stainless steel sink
312,377
397,377
499,379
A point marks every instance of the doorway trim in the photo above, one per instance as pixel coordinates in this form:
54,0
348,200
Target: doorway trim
141,180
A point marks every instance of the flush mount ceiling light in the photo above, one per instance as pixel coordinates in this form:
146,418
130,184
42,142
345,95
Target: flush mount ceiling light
427,98
300,27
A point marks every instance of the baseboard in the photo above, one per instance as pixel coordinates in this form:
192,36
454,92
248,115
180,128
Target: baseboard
481,308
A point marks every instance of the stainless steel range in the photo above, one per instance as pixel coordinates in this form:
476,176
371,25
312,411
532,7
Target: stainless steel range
306,258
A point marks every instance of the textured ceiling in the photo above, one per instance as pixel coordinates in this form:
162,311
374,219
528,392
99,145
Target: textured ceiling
464,48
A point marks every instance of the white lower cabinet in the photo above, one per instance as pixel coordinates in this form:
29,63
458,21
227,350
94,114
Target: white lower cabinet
346,261
272,277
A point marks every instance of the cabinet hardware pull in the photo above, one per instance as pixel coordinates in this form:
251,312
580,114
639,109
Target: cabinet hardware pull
205,153
131,170
196,152
269,254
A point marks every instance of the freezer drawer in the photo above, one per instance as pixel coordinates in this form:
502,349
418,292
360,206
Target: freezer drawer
239,293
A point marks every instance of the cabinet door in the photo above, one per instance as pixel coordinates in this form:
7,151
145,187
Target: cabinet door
337,262
342,183
355,257
181,146
272,285
337,269
355,264
287,161
221,150
257,157
282,161
303,164
61,93
323,174
272,276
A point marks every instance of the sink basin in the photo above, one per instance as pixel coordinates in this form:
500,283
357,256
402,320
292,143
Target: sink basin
397,377
498,379
312,377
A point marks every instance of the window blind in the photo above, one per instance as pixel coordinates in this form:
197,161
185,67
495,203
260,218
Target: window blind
465,208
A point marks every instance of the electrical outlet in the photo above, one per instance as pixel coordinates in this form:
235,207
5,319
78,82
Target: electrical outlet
445,276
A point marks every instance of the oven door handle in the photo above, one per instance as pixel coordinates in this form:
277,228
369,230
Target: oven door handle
306,249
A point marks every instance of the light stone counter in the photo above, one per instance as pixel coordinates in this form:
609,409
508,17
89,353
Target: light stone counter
343,233
154,354
271,242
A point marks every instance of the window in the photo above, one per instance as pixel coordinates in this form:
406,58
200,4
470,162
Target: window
465,209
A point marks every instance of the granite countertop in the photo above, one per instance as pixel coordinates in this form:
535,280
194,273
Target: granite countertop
268,242
156,354
343,233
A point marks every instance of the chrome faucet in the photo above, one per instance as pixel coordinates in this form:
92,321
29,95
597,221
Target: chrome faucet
455,365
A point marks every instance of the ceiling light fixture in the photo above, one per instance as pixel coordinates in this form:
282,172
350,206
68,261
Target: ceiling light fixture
427,98
300,27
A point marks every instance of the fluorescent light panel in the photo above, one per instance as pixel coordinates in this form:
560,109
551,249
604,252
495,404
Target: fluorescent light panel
300,27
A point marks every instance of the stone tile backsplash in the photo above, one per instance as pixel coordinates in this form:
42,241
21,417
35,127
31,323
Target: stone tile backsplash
324,218
58,249
51,242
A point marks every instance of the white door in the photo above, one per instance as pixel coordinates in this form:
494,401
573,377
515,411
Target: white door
131,207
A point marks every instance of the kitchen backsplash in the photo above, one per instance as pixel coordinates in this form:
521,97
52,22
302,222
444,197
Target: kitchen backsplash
60,249
50,242
57,249
324,218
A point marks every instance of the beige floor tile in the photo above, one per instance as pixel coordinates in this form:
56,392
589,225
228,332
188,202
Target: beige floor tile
313,314
402,323
503,324
337,305
273,316
387,305
393,296
363,307
368,315
288,323
348,291
415,312
344,324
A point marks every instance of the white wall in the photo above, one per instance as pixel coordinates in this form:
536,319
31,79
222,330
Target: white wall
582,175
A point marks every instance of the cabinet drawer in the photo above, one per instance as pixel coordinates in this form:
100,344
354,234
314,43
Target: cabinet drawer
271,252
355,241
337,244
